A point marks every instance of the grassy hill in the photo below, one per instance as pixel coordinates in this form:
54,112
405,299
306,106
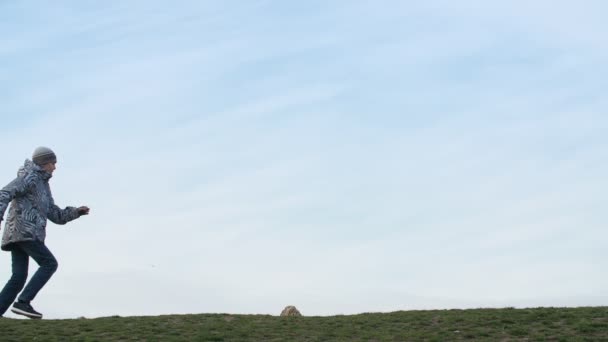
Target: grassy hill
539,324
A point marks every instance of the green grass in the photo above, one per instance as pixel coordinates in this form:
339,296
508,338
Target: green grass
540,324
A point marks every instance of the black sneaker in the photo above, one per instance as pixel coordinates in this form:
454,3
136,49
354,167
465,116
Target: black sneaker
25,309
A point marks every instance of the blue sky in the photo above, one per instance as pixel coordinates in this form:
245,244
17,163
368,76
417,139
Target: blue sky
343,157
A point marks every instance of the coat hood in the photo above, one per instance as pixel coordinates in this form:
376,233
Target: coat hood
29,167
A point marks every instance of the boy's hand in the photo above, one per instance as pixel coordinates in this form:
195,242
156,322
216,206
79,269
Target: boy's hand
84,210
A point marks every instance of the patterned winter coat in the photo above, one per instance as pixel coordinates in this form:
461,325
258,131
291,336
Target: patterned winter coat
31,204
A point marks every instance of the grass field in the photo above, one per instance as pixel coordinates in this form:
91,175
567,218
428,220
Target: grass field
538,324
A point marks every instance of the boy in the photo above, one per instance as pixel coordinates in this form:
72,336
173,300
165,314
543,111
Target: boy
25,229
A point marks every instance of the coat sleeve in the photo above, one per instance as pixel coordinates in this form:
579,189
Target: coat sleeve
62,216
12,190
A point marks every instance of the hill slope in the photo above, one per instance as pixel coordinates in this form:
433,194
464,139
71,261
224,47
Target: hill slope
567,324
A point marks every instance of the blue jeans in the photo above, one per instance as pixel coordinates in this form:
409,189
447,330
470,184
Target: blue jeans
21,253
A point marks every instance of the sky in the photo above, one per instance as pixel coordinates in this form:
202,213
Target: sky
339,156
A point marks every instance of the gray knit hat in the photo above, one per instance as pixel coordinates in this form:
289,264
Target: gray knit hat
43,155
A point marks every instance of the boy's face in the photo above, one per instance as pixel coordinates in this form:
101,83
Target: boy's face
49,167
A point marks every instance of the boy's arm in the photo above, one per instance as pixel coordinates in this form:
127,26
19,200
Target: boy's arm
62,216
13,189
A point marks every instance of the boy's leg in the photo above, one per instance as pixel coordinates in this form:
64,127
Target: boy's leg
48,265
17,280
